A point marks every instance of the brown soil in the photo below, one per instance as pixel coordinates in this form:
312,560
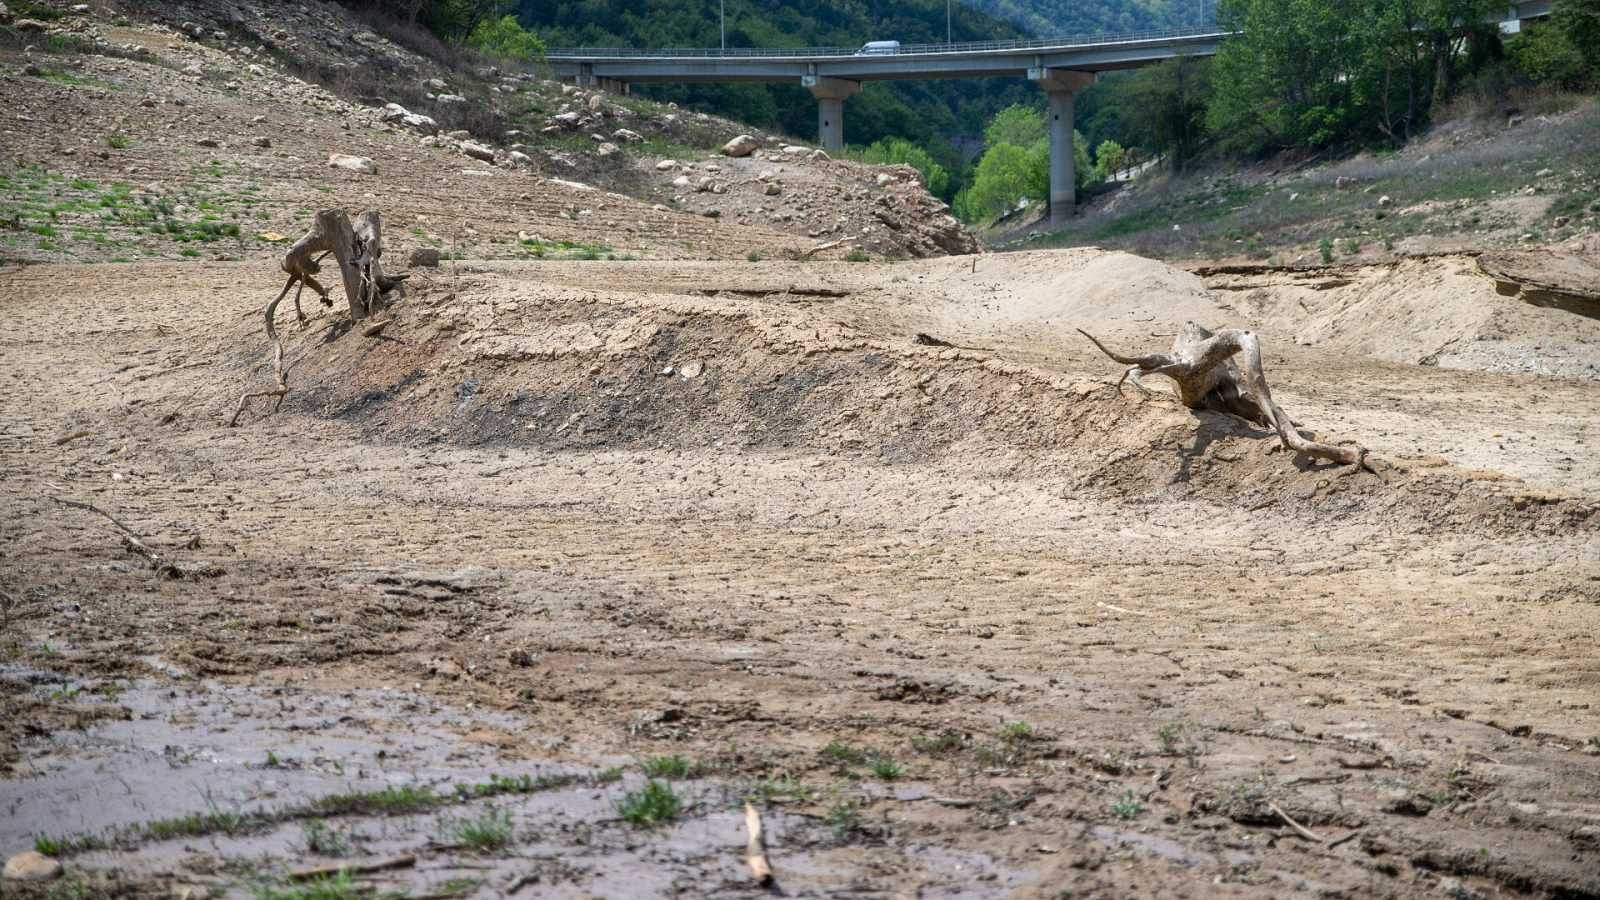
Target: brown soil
567,516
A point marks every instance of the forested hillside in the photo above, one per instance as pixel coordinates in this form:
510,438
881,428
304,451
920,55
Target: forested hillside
1049,18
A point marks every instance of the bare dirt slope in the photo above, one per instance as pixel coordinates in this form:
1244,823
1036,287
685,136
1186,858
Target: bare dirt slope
960,619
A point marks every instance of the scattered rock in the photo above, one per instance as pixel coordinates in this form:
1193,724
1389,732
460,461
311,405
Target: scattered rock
32,70
208,142
743,145
772,189
517,157
1512,121
1561,221
666,165
194,69
263,142
353,163
820,155
477,151
1385,200
29,25
449,98
627,137
148,103
31,866
607,149
1543,173
884,179
712,213
692,369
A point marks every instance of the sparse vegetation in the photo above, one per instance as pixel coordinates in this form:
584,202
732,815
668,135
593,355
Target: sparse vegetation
653,804
323,840
487,833
885,768
844,817
1127,806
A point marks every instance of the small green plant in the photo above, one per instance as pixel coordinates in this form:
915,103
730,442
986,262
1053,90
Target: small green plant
1169,737
844,817
405,798
857,255
668,767
49,846
325,841
841,756
885,768
1326,247
332,887
273,762
1127,806
488,833
609,776
945,742
753,256
1017,732
652,804
118,141
1351,247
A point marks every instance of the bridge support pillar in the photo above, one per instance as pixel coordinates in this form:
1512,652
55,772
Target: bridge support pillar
830,94
1061,86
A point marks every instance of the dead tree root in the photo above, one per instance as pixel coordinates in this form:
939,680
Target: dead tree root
358,248
1209,377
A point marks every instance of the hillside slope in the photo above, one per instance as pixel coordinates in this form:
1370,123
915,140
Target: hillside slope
199,129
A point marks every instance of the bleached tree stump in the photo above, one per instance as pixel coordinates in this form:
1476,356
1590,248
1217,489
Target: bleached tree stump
1208,377
358,249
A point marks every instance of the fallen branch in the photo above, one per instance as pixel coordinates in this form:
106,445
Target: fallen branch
69,438
1203,366
353,868
1299,829
756,850
135,543
149,375
827,246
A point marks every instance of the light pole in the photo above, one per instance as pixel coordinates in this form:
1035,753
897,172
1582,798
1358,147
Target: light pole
947,39
722,8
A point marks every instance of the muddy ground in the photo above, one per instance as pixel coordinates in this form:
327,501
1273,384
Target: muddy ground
957,616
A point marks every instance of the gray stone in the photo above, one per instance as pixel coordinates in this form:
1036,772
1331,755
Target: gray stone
359,164
425,257
477,151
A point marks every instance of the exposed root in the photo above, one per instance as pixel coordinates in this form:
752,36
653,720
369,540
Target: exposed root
357,247
131,540
1202,364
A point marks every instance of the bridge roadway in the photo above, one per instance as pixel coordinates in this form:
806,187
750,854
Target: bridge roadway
1061,67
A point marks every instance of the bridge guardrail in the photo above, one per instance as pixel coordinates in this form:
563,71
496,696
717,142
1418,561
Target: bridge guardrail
1088,40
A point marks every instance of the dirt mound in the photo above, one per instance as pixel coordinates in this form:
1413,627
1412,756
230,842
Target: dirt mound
1437,311
496,361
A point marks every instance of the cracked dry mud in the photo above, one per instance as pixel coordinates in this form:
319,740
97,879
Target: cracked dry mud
566,517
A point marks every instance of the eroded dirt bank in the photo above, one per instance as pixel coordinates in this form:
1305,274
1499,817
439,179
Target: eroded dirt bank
961,619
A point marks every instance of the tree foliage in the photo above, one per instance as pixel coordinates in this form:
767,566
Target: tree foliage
504,37
898,151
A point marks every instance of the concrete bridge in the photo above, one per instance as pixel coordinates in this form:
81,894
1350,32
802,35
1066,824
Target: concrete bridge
1061,67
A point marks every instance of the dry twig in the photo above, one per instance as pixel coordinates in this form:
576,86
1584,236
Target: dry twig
353,868
1299,829
132,540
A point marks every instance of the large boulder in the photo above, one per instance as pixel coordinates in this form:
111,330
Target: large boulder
743,145
420,122
30,865
359,164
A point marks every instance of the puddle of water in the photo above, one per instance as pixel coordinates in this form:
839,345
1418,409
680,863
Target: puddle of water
190,748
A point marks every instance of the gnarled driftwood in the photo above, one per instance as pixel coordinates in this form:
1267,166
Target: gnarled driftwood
1203,365
358,248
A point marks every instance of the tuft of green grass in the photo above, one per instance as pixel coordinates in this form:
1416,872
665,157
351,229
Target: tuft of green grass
198,824
333,887
652,804
49,846
844,817
753,256
886,768
1017,732
609,776
1325,246
406,798
765,791
118,141
674,766
941,744
1127,806
521,784
325,841
488,833
1169,737
857,255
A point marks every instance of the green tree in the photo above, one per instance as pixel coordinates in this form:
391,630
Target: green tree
898,151
1164,107
1108,159
505,38
1018,125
